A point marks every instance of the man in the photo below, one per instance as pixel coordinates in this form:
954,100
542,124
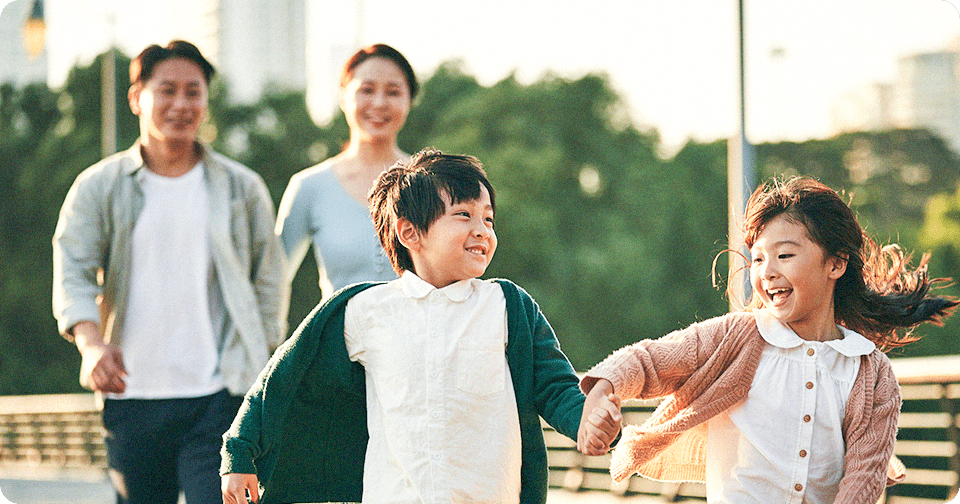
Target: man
168,277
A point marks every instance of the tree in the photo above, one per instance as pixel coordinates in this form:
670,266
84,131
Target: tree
614,241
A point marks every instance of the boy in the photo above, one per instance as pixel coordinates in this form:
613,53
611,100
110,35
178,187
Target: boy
449,374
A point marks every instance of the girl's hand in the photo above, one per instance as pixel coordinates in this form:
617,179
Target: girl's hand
236,487
601,419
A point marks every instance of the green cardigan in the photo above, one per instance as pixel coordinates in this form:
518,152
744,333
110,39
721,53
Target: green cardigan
302,428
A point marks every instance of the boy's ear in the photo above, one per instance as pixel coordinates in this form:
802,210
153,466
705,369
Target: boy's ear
407,234
838,266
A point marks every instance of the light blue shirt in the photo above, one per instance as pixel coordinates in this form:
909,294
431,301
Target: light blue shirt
316,208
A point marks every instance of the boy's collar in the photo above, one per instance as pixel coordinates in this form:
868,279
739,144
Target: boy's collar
419,288
779,335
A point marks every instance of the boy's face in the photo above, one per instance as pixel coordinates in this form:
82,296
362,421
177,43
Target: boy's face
459,245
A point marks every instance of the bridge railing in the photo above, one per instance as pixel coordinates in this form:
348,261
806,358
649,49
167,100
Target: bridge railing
928,443
65,432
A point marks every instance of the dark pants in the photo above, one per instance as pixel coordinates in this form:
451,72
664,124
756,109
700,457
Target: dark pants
158,448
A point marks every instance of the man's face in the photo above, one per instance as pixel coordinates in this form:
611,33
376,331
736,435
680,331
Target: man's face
172,103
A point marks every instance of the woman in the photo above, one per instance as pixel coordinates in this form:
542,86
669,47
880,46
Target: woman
327,203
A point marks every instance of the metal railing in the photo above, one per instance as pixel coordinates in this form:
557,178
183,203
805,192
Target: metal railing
65,432
928,443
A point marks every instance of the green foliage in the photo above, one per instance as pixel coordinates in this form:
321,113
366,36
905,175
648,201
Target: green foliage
615,243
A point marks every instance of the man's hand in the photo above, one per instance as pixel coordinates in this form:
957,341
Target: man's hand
101,365
235,487
600,422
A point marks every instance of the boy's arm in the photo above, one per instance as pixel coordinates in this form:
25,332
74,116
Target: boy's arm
244,441
556,392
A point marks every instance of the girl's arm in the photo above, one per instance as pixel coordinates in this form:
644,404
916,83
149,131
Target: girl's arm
655,368
870,432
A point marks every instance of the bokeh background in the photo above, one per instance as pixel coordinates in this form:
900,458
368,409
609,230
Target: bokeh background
604,126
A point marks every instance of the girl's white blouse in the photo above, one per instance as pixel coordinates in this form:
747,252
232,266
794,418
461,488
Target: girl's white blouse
784,442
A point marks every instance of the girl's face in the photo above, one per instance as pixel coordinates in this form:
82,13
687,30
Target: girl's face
376,100
794,280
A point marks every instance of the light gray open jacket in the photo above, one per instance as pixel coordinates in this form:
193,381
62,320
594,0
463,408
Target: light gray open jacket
92,256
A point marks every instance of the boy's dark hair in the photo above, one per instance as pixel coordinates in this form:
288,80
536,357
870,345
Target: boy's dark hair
412,190
380,51
141,67
878,293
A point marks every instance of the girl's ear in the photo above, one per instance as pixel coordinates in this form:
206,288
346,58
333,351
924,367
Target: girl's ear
407,234
838,266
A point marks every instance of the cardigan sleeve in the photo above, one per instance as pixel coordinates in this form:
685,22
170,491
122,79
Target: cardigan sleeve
544,381
255,429
655,368
557,396
871,431
257,435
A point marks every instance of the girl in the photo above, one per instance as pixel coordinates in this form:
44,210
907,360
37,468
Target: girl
791,400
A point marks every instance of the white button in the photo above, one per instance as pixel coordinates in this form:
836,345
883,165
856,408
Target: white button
436,456
436,414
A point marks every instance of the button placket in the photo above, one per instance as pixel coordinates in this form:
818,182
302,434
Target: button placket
808,403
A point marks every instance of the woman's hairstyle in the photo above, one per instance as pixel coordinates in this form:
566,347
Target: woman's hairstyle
878,293
413,190
380,51
141,67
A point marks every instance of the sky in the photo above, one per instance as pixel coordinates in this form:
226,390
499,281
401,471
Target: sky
674,62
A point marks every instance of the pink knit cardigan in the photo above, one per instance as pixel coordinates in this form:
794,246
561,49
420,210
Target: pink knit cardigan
707,368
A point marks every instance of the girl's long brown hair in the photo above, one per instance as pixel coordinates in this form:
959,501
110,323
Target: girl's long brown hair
878,293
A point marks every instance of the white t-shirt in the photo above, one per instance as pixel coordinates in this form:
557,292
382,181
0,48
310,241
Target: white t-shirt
784,442
441,410
169,344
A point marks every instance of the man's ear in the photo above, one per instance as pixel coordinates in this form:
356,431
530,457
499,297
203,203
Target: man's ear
133,96
838,266
408,234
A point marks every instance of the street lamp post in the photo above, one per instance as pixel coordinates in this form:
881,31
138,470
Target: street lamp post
741,175
34,37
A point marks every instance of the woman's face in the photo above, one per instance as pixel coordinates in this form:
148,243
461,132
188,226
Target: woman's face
376,100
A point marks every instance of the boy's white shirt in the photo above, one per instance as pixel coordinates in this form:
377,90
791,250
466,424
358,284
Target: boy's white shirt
763,450
169,343
441,409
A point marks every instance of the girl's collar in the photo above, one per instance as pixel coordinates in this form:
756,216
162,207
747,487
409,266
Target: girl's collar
779,335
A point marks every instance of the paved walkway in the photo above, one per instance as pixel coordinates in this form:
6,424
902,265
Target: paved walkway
51,487
94,488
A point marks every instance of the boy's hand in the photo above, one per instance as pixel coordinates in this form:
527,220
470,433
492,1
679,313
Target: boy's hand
600,422
235,487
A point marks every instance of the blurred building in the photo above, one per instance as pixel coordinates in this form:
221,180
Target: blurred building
925,94
254,44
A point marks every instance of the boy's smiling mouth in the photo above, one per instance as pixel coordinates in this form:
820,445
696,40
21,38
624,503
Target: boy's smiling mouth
478,250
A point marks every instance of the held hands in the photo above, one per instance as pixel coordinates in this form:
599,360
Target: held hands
235,487
600,422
